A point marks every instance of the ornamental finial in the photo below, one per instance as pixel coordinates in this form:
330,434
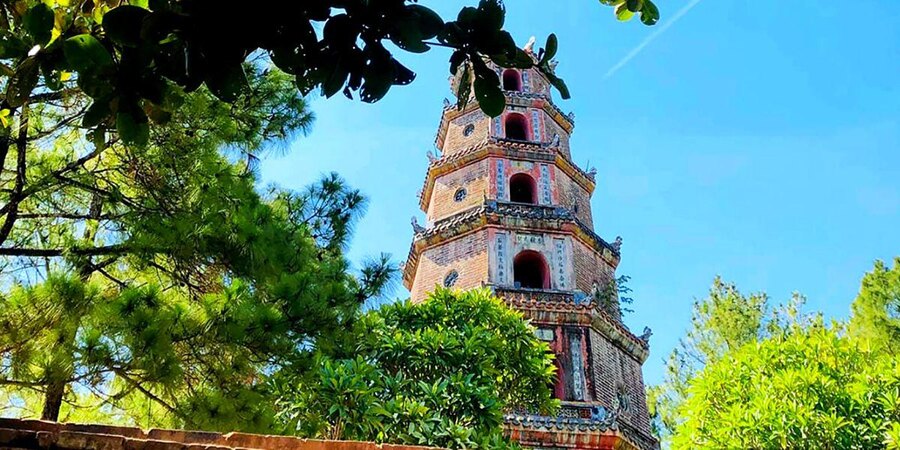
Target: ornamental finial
529,47
415,225
646,335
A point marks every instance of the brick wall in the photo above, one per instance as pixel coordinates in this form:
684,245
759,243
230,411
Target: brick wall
571,194
474,178
36,434
589,267
456,140
612,368
553,128
467,255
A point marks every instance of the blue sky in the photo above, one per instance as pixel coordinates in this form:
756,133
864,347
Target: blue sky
756,140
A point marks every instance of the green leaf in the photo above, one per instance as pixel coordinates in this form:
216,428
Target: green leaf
464,89
133,126
22,82
490,96
85,53
491,14
559,84
634,5
550,49
622,12
96,113
123,24
12,46
649,13
379,74
227,83
430,23
38,22
402,74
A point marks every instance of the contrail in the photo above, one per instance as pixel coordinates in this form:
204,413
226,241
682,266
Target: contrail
662,29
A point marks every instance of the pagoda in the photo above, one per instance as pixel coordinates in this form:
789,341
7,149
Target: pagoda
507,208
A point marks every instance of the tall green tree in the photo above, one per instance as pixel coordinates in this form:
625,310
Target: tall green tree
160,274
876,310
810,388
439,373
722,322
778,378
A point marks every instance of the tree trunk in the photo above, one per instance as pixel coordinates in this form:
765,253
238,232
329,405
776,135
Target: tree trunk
53,401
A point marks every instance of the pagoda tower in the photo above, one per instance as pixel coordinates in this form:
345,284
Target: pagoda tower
507,208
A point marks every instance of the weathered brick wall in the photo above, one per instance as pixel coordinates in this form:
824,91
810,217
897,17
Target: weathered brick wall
456,140
614,369
571,194
36,434
467,255
589,267
552,129
474,178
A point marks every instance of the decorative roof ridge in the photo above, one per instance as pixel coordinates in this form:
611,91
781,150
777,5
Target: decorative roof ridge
514,209
554,151
449,107
597,422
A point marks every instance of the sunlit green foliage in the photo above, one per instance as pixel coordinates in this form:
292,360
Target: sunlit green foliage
722,322
749,376
876,310
439,373
812,388
155,283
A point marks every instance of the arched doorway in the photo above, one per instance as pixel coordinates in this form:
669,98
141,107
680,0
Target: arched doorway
512,81
530,270
516,127
522,189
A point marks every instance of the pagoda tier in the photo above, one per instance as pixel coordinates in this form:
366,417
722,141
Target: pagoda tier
506,208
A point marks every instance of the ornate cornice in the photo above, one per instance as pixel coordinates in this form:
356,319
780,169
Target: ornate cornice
523,99
518,216
507,148
562,307
563,432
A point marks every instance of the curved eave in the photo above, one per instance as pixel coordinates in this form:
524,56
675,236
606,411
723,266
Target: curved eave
493,147
523,99
550,307
507,216
536,433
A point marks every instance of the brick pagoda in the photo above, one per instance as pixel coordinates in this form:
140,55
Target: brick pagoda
506,207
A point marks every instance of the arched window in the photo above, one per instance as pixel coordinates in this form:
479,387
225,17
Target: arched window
522,189
516,127
530,270
512,81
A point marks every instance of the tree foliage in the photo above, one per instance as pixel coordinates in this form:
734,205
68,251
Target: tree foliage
750,376
812,388
876,310
159,273
439,373
720,323
129,54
